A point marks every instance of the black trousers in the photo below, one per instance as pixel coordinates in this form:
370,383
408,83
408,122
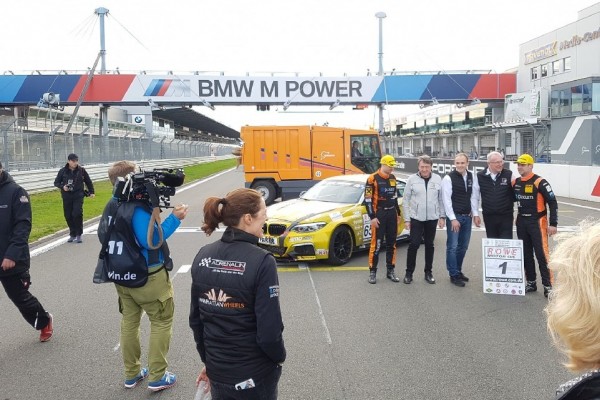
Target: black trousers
534,234
420,230
73,211
388,230
265,389
498,226
17,290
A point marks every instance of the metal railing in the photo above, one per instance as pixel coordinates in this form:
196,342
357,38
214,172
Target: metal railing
22,150
43,180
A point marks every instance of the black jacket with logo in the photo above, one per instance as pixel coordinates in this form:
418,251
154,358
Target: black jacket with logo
77,176
235,313
497,196
461,195
15,224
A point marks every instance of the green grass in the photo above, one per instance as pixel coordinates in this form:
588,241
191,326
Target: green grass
47,207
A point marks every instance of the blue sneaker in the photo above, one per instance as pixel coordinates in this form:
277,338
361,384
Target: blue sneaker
165,382
131,383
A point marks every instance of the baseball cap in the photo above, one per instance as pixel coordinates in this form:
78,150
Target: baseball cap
525,159
388,160
73,157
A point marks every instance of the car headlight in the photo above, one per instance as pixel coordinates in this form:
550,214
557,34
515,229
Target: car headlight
306,228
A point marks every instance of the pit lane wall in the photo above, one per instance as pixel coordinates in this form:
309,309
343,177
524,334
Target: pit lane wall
571,181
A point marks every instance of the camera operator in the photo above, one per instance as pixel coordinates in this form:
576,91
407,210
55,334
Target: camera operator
70,181
132,225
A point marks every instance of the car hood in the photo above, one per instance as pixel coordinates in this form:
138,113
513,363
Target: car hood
299,209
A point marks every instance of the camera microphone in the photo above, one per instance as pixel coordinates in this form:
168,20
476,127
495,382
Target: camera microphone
173,180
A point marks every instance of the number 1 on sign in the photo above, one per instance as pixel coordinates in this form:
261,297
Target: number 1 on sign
503,266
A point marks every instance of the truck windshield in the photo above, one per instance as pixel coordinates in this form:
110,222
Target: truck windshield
366,153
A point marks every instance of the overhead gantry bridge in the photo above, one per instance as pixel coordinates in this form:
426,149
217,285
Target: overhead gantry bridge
171,90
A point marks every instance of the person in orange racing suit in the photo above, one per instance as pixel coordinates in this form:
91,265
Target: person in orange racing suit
533,193
381,200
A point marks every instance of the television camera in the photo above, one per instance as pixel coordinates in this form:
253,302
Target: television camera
155,187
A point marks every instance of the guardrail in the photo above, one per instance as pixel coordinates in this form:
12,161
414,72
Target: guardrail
43,180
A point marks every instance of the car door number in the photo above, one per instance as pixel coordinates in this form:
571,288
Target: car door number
366,227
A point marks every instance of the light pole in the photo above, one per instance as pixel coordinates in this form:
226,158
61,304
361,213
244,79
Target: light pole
380,15
102,13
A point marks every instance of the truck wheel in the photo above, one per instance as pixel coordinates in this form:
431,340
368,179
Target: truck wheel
341,245
266,190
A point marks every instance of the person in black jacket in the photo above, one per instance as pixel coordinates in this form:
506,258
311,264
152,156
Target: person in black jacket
15,214
494,186
573,311
235,313
70,180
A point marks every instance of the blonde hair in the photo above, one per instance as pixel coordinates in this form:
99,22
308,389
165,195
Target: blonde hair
574,308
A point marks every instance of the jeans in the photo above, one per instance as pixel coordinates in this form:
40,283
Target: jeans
265,389
457,244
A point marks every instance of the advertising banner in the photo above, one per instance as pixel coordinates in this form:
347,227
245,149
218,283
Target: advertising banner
526,106
503,267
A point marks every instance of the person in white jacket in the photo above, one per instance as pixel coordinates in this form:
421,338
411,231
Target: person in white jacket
423,213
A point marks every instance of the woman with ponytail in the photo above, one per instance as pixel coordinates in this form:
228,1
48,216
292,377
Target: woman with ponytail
235,313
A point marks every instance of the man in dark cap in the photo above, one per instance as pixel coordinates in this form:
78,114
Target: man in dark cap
15,214
70,181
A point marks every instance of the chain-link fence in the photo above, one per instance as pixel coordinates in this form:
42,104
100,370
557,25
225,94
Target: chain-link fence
32,151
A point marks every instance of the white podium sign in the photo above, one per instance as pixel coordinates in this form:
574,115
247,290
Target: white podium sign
503,267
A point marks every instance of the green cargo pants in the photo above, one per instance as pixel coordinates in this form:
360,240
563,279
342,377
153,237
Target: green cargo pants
156,299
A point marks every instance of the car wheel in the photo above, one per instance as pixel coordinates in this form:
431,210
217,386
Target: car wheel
266,190
341,245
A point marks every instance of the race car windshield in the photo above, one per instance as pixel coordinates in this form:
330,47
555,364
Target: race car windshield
335,192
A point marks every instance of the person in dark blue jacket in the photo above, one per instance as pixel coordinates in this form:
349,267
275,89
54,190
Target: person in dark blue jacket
235,314
15,227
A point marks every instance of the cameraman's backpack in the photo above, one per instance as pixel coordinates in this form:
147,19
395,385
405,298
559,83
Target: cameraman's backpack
123,261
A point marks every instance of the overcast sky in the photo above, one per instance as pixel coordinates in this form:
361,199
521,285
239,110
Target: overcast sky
257,37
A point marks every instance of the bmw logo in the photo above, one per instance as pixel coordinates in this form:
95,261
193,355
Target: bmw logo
138,119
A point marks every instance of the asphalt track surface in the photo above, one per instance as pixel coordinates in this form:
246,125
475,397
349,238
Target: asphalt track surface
346,339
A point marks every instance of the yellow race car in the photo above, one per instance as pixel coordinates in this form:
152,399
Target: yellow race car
328,222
